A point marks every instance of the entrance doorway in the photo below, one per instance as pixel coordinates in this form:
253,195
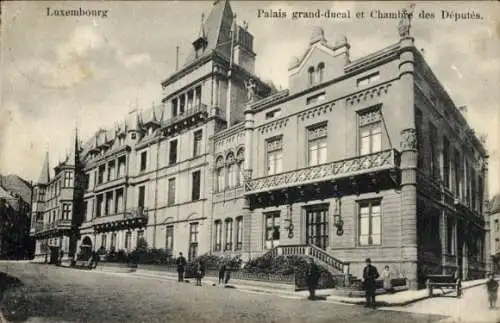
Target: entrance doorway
54,255
317,226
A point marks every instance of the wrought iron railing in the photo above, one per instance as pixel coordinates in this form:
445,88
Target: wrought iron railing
319,254
187,113
137,212
386,159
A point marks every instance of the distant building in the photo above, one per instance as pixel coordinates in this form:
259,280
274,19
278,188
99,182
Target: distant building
494,219
364,158
15,214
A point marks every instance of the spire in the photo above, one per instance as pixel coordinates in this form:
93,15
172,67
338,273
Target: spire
44,174
154,112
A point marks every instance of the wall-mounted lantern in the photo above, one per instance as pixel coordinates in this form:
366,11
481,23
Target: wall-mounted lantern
288,225
337,217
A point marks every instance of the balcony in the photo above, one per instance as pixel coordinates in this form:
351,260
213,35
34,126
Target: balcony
131,218
187,119
353,175
111,183
51,229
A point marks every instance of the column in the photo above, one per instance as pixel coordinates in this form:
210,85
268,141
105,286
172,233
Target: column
113,203
442,234
408,147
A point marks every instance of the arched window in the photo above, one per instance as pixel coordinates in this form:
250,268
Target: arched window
219,170
311,75
321,72
228,234
240,158
231,170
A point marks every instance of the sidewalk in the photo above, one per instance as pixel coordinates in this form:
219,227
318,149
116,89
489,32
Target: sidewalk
398,299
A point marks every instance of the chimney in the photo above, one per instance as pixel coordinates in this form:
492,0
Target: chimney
177,58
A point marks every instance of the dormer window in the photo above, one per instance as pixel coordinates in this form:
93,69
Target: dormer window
315,98
199,46
310,71
150,131
273,113
320,72
369,79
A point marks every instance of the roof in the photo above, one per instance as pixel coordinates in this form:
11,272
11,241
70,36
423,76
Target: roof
216,28
495,204
44,173
4,194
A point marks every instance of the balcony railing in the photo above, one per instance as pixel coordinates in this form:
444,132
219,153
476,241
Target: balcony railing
137,212
129,218
383,160
187,113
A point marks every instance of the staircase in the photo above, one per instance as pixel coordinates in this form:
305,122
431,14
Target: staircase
335,266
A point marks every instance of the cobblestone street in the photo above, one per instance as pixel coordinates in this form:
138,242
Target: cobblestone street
54,294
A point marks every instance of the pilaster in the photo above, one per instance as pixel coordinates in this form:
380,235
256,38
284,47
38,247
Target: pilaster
408,146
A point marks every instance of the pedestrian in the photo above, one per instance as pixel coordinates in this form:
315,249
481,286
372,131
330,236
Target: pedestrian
386,275
227,276
181,264
370,275
492,287
312,278
200,272
222,271
61,255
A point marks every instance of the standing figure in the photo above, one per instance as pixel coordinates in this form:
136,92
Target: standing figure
200,272
312,278
181,264
222,271
370,275
386,275
492,287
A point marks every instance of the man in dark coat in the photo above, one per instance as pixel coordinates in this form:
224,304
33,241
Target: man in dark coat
181,264
312,278
370,275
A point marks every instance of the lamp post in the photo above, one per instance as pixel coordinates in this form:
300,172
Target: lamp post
337,217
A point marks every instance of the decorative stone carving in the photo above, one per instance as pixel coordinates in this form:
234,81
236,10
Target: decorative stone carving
369,117
316,111
272,126
409,139
317,132
250,86
368,94
404,26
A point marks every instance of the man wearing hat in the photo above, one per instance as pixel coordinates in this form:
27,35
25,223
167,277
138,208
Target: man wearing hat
370,275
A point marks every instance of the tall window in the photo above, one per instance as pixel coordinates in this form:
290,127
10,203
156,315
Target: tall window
274,155
219,166
451,236
171,191
119,201
195,191
174,108
68,179
109,200
434,162
218,236
141,197
193,240
370,132
370,223
317,139
240,158
497,244
144,161
272,237
113,241
239,233
172,155
121,166
228,234
497,226
104,241
111,170
128,240
66,211
446,162
310,73
170,238
140,235
321,72
87,182
98,205
232,171
197,96
198,136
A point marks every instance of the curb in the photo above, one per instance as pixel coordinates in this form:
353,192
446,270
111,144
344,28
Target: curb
400,303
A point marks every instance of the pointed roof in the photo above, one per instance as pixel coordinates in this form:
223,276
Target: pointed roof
216,28
44,174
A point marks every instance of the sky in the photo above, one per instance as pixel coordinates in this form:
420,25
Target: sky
58,73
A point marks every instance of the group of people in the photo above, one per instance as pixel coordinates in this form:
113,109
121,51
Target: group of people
224,272
370,276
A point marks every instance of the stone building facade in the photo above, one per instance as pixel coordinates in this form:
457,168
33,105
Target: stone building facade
357,158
